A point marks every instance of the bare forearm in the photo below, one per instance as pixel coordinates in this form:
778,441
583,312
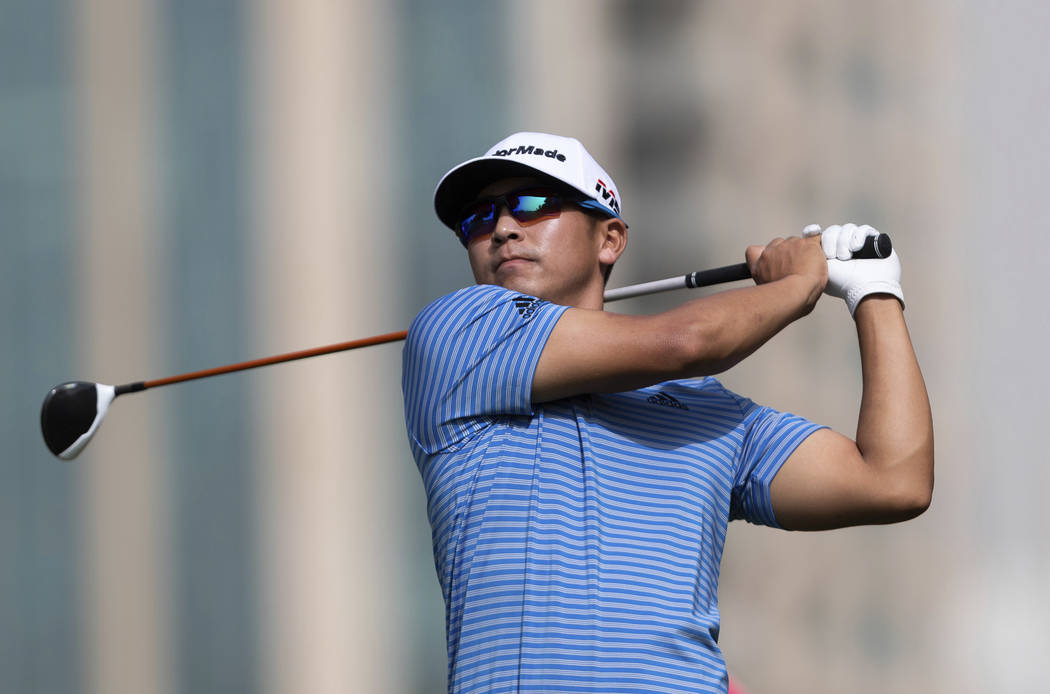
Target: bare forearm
895,428
597,351
727,327
594,351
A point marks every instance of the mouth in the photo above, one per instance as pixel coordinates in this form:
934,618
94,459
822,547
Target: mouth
513,262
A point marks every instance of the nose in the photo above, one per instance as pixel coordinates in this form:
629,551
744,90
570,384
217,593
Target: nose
507,228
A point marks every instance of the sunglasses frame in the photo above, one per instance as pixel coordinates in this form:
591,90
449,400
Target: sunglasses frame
501,201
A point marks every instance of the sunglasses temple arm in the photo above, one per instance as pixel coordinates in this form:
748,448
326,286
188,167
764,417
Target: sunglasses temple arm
692,280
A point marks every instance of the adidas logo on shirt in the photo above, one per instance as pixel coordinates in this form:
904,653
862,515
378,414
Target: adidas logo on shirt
526,305
662,398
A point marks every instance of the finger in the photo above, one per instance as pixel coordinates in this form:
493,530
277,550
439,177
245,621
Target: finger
861,235
842,243
829,240
752,254
811,230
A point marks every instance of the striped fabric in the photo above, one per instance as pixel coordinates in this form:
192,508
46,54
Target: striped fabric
577,542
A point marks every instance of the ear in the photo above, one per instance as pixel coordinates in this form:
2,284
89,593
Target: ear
612,234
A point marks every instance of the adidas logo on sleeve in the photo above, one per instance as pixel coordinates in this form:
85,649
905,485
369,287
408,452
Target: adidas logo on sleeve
662,398
526,306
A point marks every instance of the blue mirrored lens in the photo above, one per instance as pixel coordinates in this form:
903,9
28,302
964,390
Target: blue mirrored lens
529,207
480,221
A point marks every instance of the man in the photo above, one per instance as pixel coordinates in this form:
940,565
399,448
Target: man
581,466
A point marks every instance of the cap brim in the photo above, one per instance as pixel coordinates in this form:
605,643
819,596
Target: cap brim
462,184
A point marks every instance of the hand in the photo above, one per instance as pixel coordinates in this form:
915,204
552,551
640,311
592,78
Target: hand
854,279
782,257
791,257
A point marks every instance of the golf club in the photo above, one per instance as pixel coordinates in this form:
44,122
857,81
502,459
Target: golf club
72,411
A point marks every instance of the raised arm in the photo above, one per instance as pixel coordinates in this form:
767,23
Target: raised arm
886,475
597,351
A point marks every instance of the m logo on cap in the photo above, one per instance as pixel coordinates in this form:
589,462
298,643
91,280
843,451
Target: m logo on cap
607,196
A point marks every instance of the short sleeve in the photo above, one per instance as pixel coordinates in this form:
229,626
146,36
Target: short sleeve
769,439
469,358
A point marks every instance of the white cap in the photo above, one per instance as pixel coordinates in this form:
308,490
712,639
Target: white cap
526,154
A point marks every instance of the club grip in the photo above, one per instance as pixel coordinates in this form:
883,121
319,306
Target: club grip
718,275
878,246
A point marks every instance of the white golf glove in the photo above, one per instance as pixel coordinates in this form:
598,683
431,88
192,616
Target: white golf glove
853,279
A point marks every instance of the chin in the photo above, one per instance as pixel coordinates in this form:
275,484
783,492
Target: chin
522,286
516,284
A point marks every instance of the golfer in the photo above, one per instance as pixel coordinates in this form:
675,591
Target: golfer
581,467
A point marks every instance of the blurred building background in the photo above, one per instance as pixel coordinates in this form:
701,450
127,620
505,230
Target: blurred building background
185,184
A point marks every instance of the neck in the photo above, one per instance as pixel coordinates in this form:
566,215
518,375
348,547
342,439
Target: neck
590,296
594,300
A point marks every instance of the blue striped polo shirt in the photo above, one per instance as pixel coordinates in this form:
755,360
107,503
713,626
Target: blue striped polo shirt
577,542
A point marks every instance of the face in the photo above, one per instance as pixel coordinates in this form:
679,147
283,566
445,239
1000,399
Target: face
559,259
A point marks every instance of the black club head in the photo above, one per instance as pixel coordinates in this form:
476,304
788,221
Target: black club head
71,414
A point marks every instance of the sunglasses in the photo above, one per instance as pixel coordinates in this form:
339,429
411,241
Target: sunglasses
527,206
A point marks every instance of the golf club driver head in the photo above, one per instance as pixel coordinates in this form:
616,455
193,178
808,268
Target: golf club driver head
71,414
